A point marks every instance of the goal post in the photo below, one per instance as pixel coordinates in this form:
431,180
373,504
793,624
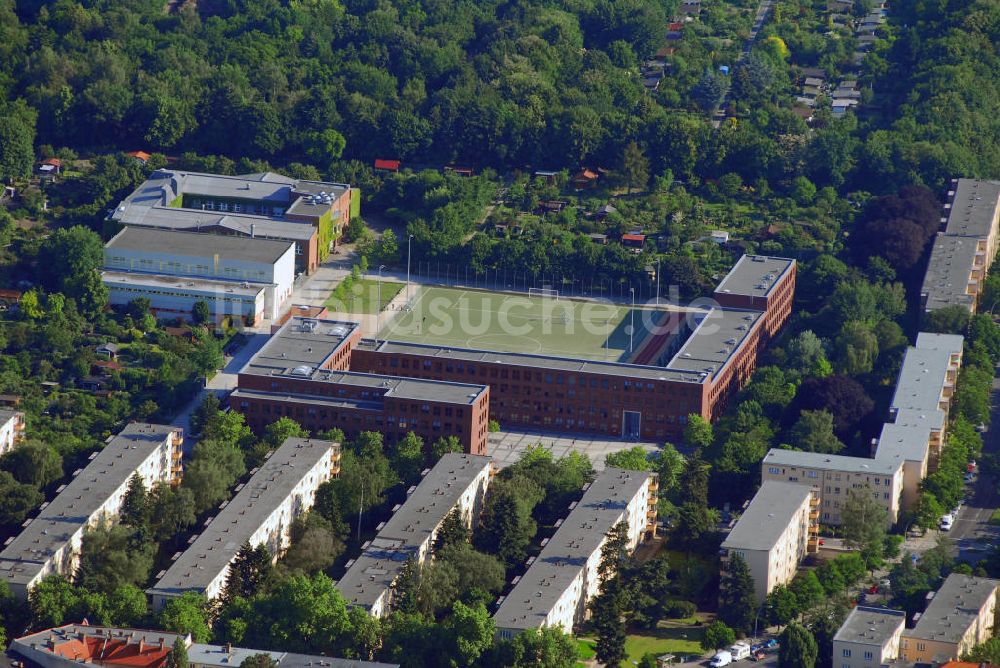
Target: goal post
543,292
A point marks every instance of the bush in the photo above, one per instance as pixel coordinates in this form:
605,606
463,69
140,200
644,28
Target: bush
676,609
892,544
718,635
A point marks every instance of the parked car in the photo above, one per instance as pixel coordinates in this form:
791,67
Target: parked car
720,659
873,589
759,655
946,523
771,644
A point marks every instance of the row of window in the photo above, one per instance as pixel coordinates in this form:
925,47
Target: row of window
595,411
340,418
236,207
776,470
177,268
646,401
680,408
216,297
504,373
570,423
868,655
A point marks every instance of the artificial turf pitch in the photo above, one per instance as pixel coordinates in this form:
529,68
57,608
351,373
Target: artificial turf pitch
506,322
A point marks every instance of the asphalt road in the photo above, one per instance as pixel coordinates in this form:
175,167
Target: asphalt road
972,532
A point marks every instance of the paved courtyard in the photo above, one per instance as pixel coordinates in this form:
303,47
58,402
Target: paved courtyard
506,447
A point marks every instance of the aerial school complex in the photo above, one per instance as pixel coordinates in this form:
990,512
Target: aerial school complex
323,374
599,373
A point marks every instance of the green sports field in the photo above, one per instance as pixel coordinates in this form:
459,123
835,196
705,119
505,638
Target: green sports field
518,323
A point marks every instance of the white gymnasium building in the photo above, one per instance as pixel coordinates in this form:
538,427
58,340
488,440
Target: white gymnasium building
237,276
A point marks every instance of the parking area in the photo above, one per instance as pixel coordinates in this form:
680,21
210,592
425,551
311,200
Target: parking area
506,447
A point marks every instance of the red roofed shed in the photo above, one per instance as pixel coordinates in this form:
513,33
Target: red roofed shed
386,165
633,240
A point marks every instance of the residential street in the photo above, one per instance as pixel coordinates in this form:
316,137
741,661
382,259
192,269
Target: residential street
972,532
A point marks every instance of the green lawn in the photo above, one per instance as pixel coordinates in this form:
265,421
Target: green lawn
664,640
517,323
995,517
363,297
585,649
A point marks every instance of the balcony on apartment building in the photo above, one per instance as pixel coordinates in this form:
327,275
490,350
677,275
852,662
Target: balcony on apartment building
651,513
176,466
335,463
812,543
651,519
177,458
947,390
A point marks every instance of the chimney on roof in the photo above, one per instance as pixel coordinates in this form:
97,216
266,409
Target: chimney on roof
253,229
229,648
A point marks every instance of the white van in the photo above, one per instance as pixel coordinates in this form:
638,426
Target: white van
722,658
740,651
